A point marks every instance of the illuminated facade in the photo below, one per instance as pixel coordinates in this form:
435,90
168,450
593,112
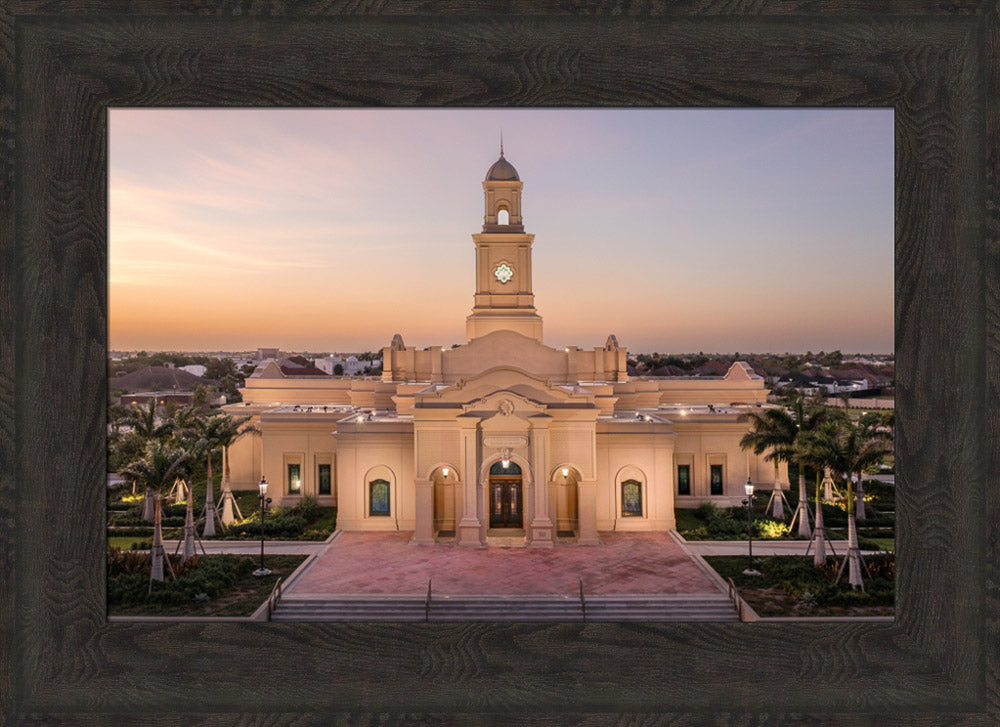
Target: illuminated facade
503,436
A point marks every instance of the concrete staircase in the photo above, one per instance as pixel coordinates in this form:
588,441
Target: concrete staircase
527,609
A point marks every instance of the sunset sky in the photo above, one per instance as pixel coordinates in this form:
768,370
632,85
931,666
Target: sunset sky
331,230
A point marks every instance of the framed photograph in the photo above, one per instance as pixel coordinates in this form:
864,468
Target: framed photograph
62,661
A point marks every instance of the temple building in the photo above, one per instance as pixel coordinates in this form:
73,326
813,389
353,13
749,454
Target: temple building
502,436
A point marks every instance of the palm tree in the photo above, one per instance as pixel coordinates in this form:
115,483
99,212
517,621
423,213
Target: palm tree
159,466
776,431
811,450
226,435
848,449
146,427
208,435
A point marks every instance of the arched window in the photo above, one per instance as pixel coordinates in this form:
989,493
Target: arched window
631,498
503,217
378,498
510,469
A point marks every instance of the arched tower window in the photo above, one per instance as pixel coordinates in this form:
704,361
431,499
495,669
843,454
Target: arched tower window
503,217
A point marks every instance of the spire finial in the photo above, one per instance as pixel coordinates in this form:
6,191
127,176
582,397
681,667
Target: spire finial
501,142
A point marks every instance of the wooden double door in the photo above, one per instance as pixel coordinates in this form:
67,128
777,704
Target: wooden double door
506,497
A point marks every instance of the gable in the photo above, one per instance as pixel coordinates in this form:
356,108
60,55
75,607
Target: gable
504,349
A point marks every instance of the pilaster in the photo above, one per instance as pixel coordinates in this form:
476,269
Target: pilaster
469,531
542,530
423,533
586,510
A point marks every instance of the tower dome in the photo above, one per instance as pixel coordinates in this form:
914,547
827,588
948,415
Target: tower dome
502,171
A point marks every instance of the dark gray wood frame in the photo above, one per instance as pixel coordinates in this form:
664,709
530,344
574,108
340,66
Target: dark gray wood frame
65,63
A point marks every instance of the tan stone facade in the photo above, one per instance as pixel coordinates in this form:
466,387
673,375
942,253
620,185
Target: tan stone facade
502,435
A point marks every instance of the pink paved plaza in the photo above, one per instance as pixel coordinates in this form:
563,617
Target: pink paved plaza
385,563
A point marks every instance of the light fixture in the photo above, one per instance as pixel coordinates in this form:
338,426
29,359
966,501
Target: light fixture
684,412
748,488
505,458
361,417
262,571
565,471
444,472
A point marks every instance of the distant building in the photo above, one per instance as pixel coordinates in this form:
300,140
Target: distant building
196,369
265,353
350,366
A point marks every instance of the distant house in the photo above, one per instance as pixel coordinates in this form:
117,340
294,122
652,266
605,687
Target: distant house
162,383
196,369
298,366
350,366
812,385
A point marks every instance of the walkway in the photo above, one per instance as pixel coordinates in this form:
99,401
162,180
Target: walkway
386,563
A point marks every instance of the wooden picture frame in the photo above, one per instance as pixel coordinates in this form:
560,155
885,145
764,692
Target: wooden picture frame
935,63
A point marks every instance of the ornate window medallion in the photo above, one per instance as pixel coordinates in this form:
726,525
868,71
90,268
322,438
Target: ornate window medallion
503,273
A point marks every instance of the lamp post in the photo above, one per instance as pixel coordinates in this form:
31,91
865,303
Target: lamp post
262,571
748,488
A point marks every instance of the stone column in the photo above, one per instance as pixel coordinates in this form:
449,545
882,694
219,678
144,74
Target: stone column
542,531
423,531
586,512
468,533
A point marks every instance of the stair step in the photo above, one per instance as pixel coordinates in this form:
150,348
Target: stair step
533,608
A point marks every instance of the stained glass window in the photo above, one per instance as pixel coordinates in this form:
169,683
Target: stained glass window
503,272
716,479
378,497
683,479
294,479
631,498
324,479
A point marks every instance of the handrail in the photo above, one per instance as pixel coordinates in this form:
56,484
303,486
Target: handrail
734,596
272,600
427,603
583,602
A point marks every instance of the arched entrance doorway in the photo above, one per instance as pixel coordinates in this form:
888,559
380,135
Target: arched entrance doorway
506,501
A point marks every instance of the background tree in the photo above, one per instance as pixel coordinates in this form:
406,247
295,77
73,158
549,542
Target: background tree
161,464
773,432
145,426
848,449
777,432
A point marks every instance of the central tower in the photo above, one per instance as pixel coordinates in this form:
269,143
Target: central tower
503,299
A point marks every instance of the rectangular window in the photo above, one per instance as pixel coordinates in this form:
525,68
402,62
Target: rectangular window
631,498
716,479
294,479
683,479
378,498
323,476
